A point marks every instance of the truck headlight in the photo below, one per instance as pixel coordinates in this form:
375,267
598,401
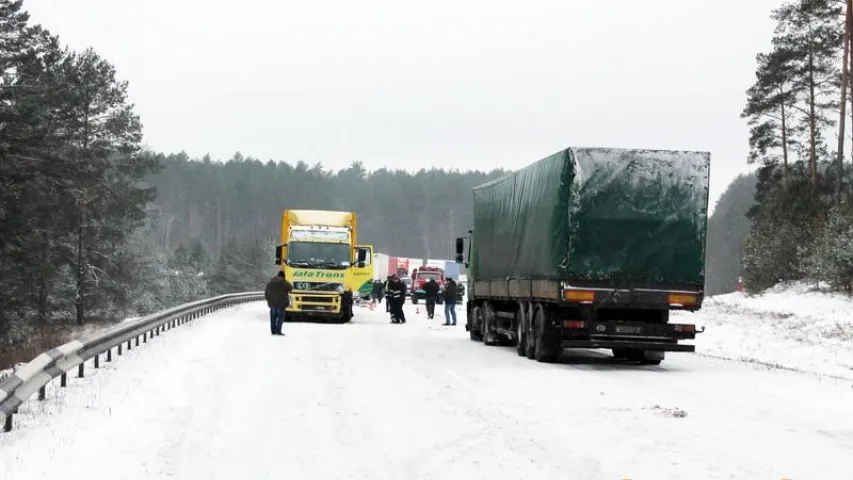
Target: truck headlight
340,288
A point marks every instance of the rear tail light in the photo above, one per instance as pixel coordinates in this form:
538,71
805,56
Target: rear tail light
581,296
682,299
684,328
574,324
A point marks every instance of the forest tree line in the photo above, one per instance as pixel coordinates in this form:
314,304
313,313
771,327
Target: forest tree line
96,229
802,217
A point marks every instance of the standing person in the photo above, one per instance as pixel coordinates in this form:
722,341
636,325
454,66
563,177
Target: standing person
277,295
387,290
397,300
380,289
376,292
431,293
450,301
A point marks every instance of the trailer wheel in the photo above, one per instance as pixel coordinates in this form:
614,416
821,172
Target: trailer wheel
521,330
490,334
547,350
474,324
530,348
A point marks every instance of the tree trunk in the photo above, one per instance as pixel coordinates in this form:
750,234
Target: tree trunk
785,140
850,77
843,115
81,269
812,123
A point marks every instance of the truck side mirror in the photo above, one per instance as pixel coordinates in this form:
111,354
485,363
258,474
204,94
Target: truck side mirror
278,251
460,248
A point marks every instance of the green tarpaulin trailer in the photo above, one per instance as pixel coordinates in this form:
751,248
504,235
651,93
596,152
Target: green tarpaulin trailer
589,231
596,214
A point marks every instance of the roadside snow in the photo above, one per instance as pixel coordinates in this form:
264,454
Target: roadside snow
789,326
220,398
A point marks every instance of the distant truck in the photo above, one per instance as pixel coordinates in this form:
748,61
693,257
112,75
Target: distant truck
589,248
381,267
321,258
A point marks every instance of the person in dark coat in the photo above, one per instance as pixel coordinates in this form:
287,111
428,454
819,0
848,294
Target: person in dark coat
386,289
450,301
379,291
277,294
431,290
397,298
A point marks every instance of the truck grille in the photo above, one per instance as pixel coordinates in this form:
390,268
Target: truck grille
313,298
315,286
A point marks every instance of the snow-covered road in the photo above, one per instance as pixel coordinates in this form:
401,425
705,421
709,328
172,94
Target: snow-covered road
222,399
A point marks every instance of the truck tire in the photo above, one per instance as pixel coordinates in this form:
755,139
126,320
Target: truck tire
490,334
547,349
474,325
521,330
414,299
645,357
531,334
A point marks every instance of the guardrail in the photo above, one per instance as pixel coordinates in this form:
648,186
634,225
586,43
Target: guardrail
34,376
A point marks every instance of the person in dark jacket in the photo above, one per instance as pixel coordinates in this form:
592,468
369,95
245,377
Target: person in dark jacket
397,298
431,294
450,301
386,289
380,291
277,294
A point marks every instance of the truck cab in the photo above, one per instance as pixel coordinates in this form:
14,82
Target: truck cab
320,257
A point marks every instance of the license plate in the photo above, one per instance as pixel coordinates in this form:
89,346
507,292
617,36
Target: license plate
628,329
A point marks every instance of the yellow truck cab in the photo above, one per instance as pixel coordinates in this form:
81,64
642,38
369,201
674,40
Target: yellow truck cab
320,257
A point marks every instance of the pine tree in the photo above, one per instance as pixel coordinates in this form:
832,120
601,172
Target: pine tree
810,34
101,137
770,110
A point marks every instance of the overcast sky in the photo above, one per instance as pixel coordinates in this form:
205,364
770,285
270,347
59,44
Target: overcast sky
470,84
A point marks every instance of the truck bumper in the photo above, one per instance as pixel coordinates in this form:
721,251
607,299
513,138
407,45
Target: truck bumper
315,304
631,344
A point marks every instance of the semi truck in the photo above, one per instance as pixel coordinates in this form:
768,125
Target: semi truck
589,248
320,256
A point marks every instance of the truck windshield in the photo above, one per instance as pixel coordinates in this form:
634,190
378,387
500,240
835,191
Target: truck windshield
318,255
428,275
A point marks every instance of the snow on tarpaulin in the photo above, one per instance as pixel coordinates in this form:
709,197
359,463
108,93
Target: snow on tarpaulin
596,214
790,326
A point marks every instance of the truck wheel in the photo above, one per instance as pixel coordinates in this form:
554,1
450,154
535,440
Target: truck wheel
521,330
490,334
530,351
546,350
474,325
652,357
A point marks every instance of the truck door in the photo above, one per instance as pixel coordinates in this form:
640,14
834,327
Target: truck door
363,277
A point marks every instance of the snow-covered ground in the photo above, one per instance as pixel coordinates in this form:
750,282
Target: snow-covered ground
222,399
792,327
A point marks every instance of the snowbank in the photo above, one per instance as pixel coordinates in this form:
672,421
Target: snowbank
789,326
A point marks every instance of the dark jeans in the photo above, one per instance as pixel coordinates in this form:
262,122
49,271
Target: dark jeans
276,319
431,306
449,310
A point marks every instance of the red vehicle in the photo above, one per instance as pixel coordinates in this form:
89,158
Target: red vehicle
398,266
421,276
